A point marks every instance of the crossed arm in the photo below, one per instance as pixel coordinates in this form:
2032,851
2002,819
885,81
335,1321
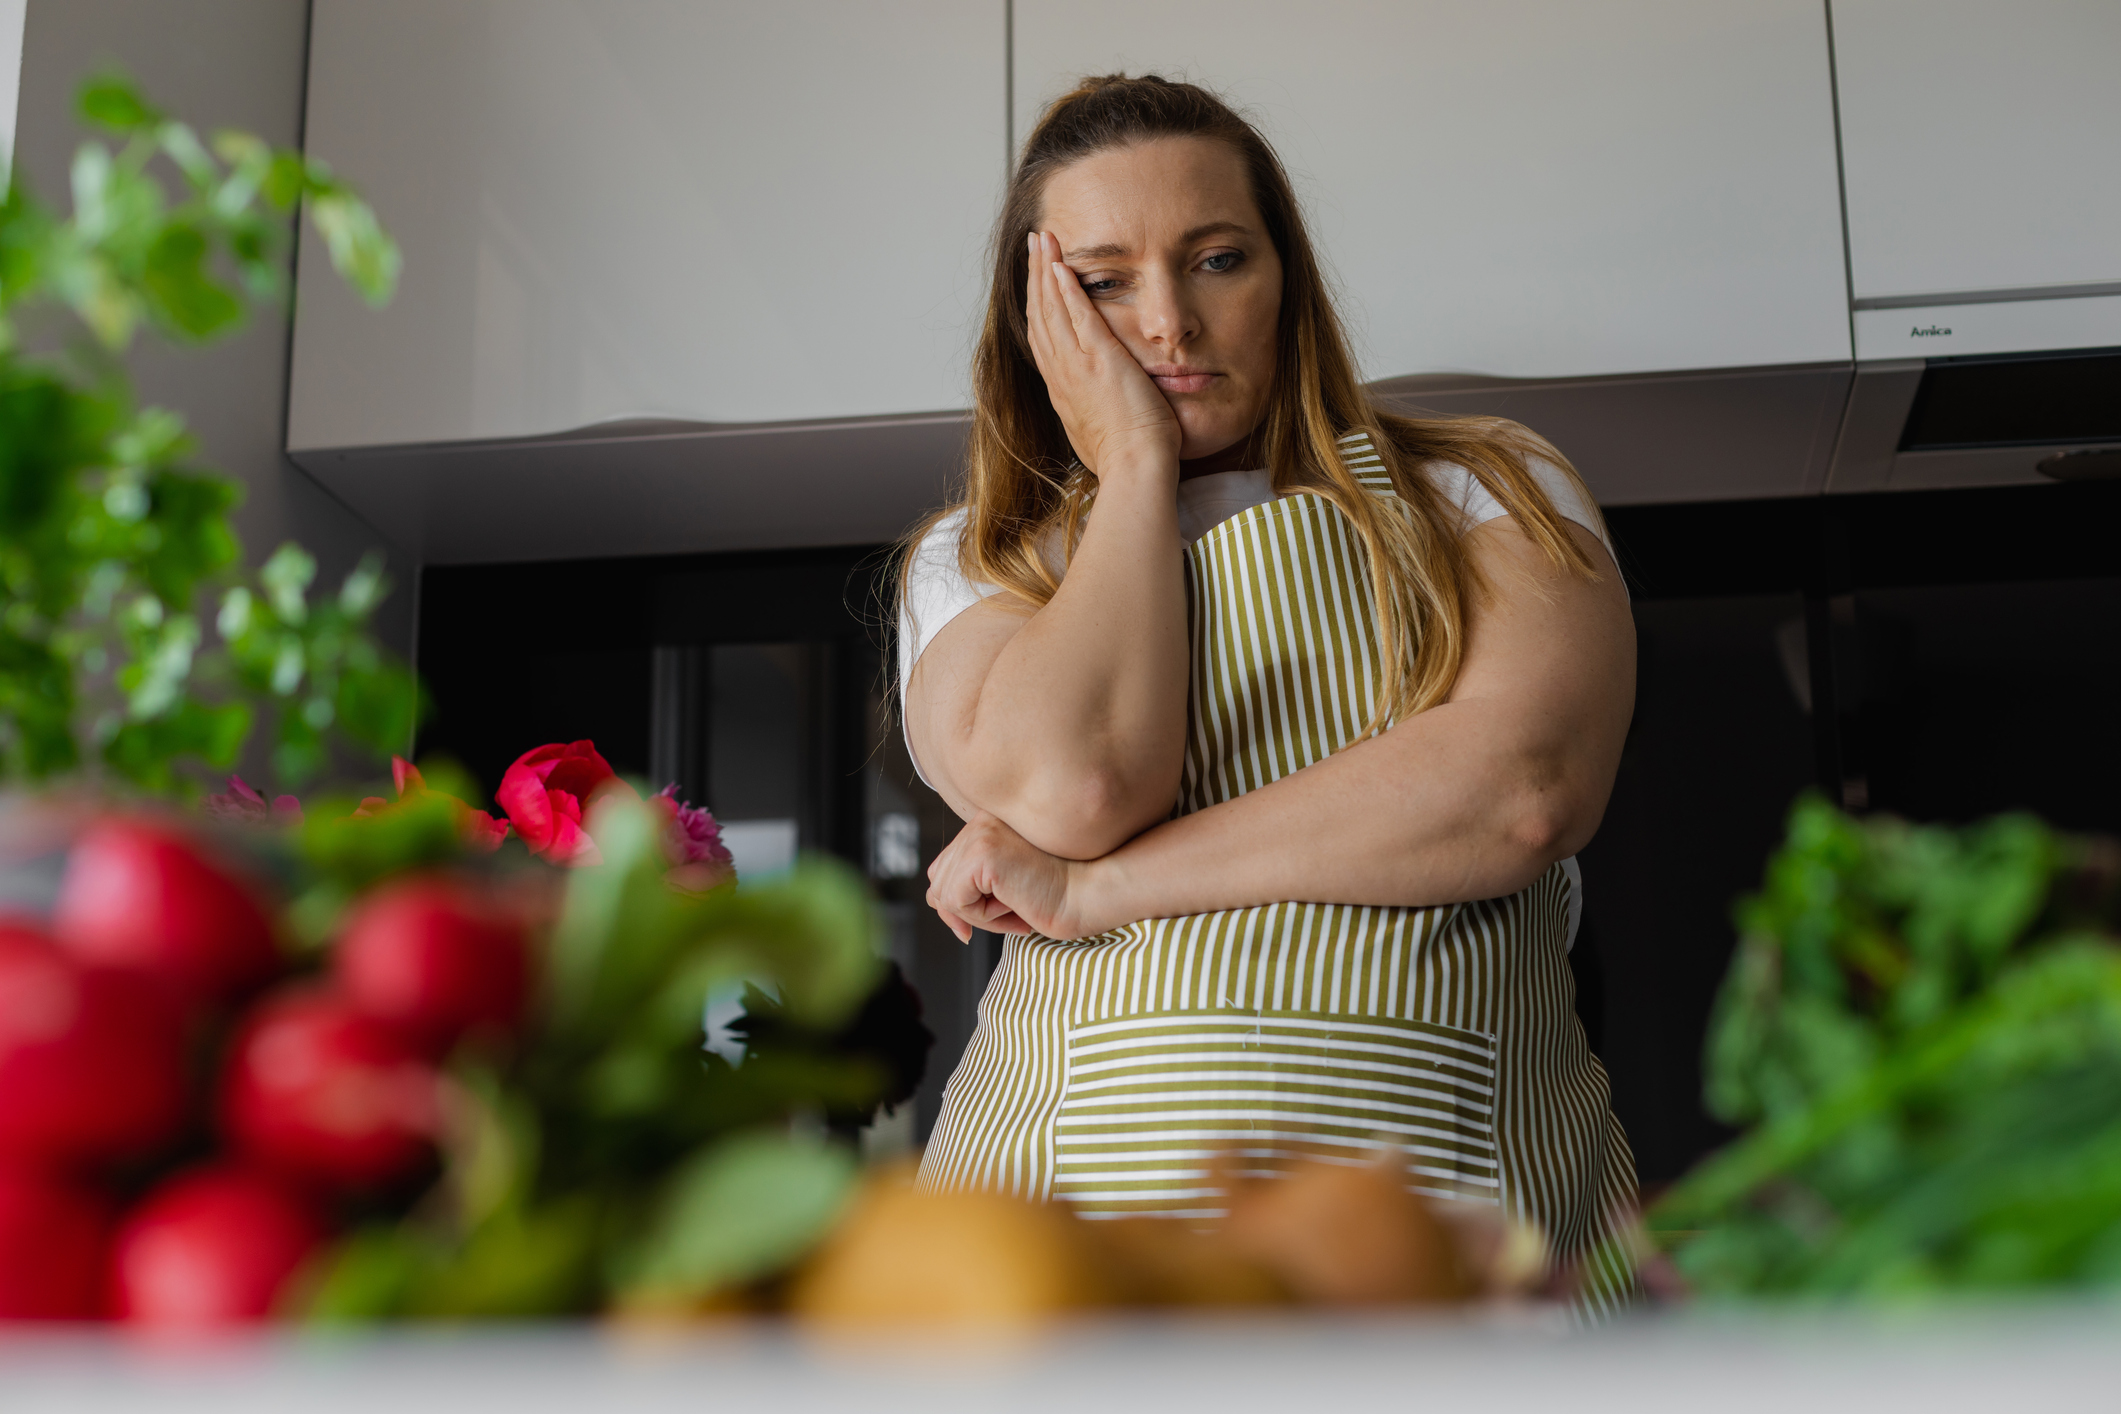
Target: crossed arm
1472,799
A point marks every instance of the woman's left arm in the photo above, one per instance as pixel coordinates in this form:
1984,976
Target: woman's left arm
1471,799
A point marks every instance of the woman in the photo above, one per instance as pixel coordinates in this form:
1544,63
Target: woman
1275,718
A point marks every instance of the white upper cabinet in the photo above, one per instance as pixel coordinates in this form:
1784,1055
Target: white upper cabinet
1982,143
723,212
1526,188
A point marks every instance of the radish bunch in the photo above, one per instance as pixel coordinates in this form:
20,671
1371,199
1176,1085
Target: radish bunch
181,1114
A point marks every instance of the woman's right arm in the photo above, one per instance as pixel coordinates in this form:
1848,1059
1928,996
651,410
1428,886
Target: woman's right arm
1068,721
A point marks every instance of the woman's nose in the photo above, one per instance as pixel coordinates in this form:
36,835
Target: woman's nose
1168,319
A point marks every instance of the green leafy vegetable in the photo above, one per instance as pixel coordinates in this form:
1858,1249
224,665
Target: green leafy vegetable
739,1211
1923,1028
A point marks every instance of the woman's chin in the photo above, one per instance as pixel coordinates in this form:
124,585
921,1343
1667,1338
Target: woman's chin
1199,444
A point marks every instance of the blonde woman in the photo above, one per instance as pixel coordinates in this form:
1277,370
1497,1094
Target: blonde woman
1275,718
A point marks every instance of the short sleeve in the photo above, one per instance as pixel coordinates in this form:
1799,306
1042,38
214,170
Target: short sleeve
1478,505
936,592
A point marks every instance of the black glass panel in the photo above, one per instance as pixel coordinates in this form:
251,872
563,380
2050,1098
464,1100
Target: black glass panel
2017,401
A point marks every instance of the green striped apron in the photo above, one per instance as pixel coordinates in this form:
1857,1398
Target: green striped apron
1111,1071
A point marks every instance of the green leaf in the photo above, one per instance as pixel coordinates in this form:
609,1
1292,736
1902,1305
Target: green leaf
490,1150
146,752
47,435
370,1275
741,1210
191,157
364,587
287,577
109,100
419,832
367,258
626,941
182,295
379,704
154,683
519,1265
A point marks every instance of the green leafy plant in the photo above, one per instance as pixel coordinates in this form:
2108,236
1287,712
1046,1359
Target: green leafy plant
111,535
1922,1028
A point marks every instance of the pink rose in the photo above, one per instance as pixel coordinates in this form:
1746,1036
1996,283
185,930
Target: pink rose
546,794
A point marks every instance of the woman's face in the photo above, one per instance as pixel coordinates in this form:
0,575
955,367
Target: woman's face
1166,240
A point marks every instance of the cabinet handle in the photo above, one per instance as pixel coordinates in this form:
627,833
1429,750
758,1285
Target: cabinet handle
2094,464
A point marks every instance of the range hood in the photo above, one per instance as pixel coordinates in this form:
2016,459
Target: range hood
649,487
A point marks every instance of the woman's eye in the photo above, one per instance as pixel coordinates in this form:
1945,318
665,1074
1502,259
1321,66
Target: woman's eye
1100,287
1221,261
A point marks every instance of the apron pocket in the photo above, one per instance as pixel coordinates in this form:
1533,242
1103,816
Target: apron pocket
1151,1101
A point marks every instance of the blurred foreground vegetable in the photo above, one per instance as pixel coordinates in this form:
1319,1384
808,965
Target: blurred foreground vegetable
449,1080
1922,1028
210,1247
1324,1233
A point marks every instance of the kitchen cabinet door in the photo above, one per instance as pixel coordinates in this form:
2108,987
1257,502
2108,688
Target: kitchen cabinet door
619,209
1983,143
1982,140
1524,188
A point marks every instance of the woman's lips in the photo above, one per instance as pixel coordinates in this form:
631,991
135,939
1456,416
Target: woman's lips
1177,378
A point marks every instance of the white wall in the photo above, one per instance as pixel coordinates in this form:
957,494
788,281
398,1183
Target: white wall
12,14
214,63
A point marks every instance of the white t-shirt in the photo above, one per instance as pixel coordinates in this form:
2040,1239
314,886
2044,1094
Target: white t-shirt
937,591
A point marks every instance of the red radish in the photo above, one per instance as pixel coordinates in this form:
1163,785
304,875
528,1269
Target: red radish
140,896
52,1237
435,957
316,1089
91,1060
211,1247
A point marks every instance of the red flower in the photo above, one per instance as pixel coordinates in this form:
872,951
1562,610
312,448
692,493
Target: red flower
546,793
480,831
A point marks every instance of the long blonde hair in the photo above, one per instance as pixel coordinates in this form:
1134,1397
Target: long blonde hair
1023,482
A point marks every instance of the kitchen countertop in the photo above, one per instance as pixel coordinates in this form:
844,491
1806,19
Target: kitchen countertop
2048,1357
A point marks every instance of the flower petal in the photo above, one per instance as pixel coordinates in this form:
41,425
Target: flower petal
571,844
540,760
481,831
580,771
523,798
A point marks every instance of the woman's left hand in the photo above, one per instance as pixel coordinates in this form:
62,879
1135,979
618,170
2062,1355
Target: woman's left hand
991,877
